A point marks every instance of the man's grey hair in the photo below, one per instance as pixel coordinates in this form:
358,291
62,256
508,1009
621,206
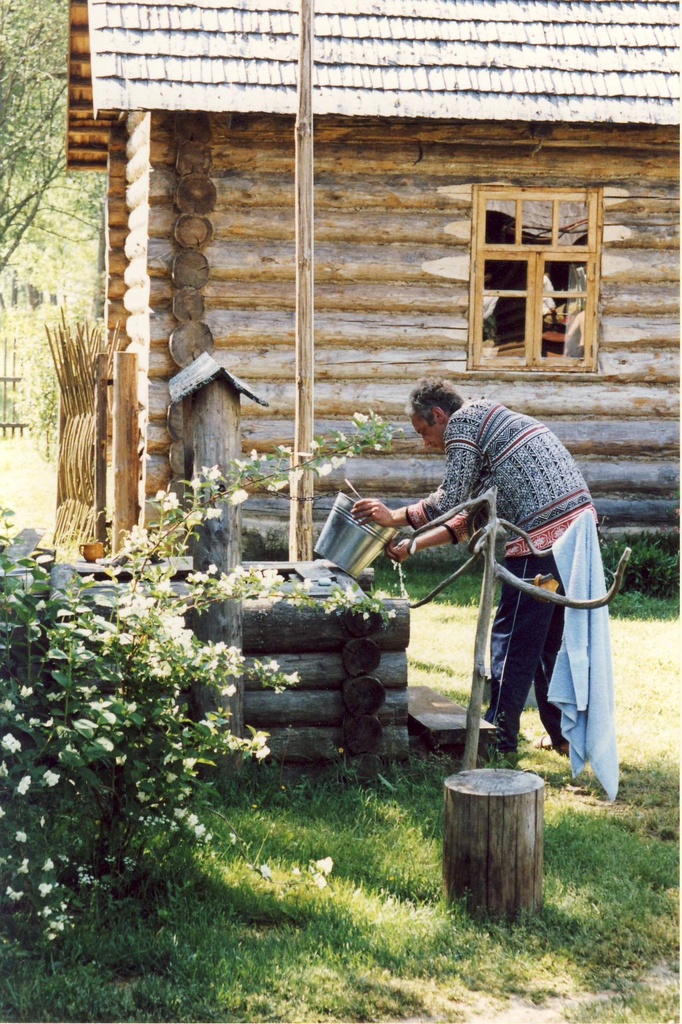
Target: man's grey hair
433,393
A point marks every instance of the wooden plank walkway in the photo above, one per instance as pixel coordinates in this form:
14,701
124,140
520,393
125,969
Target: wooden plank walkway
440,723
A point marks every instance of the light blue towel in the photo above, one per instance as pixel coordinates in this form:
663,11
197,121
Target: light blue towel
582,681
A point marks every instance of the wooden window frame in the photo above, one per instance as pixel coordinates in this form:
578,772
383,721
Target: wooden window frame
535,255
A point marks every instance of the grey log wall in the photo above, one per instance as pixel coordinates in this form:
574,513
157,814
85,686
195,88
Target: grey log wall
393,204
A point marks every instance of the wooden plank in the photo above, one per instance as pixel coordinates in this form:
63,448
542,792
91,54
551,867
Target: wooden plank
440,720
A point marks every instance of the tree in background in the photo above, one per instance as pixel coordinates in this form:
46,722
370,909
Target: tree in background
50,222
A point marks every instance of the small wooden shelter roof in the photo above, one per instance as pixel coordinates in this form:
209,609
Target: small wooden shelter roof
517,60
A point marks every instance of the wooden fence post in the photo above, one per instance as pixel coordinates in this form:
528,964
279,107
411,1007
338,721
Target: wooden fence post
125,442
101,383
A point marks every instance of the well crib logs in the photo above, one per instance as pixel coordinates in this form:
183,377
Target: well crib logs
351,697
270,626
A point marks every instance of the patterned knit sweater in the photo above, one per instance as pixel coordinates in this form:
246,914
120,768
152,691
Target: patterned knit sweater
539,486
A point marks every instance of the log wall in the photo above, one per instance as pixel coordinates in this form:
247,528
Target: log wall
393,204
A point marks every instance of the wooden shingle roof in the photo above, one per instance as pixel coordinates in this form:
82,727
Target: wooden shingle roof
530,60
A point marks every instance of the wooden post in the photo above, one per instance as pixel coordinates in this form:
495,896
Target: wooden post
125,442
302,490
101,383
482,629
493,841
216,442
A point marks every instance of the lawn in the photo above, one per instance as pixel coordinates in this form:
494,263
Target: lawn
244,934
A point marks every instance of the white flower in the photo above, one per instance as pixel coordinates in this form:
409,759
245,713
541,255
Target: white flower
325,866
7,705
26,691
199,830
24,785
51,778
20,837
45,888
11,743
48,865
12,894
360,417
239,496
23,870
325,469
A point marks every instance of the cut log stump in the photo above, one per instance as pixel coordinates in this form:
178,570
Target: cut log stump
493,841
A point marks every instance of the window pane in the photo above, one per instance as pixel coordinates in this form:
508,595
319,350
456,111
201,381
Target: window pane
564,293
505,275
573,223
537,223
504,315
500,222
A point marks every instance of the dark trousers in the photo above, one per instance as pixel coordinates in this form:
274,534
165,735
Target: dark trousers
525,639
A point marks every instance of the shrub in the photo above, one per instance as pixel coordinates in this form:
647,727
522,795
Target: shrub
100,763
654,566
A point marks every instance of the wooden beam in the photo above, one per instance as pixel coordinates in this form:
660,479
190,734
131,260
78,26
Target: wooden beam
302,489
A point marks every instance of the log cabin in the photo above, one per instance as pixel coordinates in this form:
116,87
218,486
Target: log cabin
496,200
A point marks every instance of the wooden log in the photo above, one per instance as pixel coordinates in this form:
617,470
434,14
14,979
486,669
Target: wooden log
387,398
194,157
325,669
315,744
493,841
196,193
265,708
361,656
126,459
215,414
192,231
363,695
188,304
189,269
362,734
280,626
191,125
189,340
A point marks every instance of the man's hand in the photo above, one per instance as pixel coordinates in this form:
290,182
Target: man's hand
398,550
371,510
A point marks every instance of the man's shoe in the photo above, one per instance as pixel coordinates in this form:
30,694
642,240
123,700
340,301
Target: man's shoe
545,743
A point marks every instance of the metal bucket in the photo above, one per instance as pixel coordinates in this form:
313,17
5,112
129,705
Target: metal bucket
346,542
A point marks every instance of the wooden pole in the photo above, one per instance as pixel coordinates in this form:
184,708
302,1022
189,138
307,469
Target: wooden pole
482,628
101,383
125,442
216,442
302,489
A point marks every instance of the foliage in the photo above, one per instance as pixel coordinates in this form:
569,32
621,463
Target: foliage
654,566
32,91
94,715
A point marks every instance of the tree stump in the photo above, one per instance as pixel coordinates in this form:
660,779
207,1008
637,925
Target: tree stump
493,841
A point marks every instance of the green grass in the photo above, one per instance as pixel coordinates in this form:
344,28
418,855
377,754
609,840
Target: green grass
206,938
209,939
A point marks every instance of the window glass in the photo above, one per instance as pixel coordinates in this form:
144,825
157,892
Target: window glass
504,308
564,298
572,224
500,223
536,223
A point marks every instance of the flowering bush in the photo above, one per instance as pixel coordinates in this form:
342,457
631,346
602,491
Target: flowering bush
100,761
